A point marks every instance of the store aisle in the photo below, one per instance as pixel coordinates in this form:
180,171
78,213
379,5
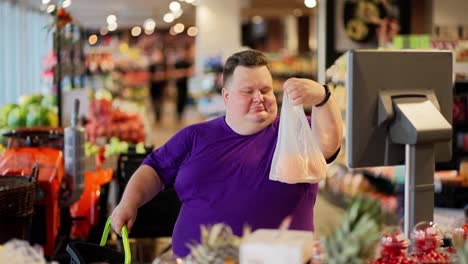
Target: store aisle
159,133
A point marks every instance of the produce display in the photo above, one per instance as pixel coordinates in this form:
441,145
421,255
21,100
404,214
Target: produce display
289,66
113,148
218,245
31,110
394,250
356,237
354,241
106,122
427,242
460,241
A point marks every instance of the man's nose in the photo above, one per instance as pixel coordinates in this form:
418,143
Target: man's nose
258,96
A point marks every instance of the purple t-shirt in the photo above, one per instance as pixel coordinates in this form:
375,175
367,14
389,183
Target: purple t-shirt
221,176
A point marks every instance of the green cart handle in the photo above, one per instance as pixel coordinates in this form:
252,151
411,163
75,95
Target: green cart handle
126,244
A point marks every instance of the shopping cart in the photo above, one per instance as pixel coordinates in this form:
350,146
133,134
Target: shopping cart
84,252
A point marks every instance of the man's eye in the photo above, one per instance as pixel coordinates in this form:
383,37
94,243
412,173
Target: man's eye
266,91
247,91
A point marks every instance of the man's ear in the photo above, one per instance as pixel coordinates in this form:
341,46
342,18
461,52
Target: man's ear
225,93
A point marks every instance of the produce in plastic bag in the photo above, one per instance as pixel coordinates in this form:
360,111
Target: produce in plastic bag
297,157
20,251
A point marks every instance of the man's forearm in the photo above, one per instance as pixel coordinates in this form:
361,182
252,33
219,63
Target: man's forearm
142,186
328,126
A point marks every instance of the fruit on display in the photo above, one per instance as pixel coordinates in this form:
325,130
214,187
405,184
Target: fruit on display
218,245
17,117
30,99
394,250
31,110
103,94
352,243
91,149
113,148
288,66
3,139
38,116
427,242
135,78
49,100
318,254
53,118
460,241
355,239
4,112
107,122
463,231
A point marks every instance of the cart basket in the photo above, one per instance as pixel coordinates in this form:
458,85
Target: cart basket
84,252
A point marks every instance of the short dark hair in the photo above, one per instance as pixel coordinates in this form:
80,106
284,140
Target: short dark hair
248,58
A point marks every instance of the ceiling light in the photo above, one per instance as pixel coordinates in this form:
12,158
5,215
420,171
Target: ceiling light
45,2
50,9
111,19
177,14
92,39
174,6
66,3
149,24
192,31
172,31
112,26
103,31
168,18
136,31
179,28
310,3
149,32
189,1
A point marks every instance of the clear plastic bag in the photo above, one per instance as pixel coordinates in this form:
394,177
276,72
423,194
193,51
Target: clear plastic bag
17,251
297,157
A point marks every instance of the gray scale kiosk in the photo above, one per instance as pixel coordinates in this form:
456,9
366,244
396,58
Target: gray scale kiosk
399,111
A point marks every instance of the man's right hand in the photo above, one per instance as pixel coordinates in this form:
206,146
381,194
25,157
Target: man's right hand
123,214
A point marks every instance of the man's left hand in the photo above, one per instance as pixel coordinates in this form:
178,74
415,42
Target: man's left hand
304,91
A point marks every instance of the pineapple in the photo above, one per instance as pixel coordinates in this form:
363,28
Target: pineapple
218,246
461,246
354,241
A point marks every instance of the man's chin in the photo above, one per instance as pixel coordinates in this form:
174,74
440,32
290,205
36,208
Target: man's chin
260,117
